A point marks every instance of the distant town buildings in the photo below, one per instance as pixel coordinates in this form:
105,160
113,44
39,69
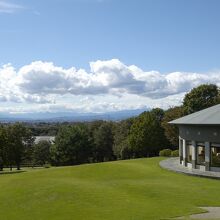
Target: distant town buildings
50,139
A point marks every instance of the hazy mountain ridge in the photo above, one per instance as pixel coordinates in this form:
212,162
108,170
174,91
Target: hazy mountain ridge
70,116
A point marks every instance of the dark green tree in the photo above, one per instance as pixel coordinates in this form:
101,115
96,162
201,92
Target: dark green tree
201,97
20,139
103,143
121,145
41,152
172,131
72,145
146,136
3,147
158,113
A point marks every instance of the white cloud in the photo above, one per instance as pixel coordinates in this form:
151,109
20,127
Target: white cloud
107,77
7,7
109,85
10,92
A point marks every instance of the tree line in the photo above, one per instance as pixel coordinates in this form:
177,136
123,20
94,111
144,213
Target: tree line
16,142
98,141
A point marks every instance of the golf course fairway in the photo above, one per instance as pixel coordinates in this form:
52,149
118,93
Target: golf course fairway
120,190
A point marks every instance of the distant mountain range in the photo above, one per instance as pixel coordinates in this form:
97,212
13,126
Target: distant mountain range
70,116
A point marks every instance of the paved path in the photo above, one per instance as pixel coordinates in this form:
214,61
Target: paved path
212,213
174,165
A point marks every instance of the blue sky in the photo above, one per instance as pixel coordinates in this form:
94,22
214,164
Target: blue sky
173,44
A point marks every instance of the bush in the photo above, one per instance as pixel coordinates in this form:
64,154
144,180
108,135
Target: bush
175,153
165,153
47,165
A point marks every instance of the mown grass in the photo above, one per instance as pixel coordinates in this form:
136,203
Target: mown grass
125,190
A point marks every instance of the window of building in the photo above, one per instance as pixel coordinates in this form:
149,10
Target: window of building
200,148
189,151
215,155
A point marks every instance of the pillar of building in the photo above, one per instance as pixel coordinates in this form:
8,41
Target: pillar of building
180,149
207,156
194,154
184,152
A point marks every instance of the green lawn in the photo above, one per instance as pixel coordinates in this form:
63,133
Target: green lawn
132,189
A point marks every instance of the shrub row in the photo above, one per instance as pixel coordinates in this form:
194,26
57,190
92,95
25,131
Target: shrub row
169,153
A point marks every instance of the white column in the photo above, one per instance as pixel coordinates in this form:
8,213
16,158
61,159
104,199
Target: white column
184,153
194,154
207,156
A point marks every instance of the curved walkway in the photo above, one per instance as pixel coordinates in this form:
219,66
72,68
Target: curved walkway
174,165
212,213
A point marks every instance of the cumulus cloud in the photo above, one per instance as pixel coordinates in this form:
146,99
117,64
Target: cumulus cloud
7,7
43,82
10,92
107,77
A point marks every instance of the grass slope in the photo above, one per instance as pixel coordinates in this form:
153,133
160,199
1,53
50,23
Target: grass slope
125,190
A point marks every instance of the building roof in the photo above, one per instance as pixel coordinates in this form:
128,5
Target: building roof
50,139
208,116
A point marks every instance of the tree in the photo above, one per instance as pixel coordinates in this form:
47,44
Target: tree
20,139
103,143
72,145
41,153
121,145
172,131
201,97
3,147
123,150
158,113
146,136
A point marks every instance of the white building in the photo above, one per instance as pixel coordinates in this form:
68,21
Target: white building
199,139
50,139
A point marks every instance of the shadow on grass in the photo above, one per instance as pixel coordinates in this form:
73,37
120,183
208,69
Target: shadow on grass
12,172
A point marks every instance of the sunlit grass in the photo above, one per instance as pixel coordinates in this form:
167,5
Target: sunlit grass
132,189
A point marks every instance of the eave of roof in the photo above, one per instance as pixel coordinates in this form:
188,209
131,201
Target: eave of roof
208,116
